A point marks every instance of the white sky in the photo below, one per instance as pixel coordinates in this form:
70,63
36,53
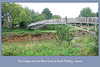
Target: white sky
71,10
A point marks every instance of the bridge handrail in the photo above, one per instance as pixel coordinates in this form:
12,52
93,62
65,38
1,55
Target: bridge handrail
69,20
83,19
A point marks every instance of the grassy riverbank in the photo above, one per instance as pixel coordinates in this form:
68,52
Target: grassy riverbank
48,46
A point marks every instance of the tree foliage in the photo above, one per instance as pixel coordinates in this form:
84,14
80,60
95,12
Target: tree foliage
55,17
47,13
23,16
32,11
15,13
87,12
64,34
5,10
97,14
40,17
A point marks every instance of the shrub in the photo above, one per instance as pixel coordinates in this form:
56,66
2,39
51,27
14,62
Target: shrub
64,34
92,37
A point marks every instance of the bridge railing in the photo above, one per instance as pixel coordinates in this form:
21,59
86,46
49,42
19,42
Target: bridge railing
72,20
92,20
53,21
83,20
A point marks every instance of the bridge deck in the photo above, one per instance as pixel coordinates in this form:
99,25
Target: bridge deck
76,21
89,20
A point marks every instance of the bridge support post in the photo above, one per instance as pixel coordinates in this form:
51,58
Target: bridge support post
81,25
95,27
88,24
35,29
75,24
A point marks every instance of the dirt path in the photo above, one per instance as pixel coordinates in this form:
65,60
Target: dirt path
28,38
35,37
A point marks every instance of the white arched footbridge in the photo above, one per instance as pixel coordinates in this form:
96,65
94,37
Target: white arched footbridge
83,23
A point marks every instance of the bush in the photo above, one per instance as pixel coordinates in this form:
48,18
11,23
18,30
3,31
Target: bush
94,38
64,34
50,27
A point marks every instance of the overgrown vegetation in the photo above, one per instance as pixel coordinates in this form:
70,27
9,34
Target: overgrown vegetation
63,45
95,39
64,34
46,49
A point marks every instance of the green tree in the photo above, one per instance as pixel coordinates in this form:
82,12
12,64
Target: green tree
28,13
15,12
97,14
40,17
87,12
5,10
55,17
18,14
25,17
64,34
37,17
34,16
94,15
47,13
32,11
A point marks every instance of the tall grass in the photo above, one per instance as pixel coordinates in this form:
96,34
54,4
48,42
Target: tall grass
54,47
47,49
